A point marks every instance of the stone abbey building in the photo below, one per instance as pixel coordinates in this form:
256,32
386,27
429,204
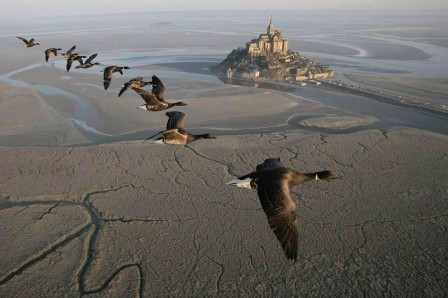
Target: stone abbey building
266,45
270,57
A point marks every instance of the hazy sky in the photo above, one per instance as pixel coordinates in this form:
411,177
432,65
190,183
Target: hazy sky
27,8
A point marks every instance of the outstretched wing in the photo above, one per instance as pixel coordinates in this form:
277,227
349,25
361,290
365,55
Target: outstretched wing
69,63
107,76
158,92
281,212
23,39
135,82
125,87
176,120
71,50
47,54
89,60
156,81
148,97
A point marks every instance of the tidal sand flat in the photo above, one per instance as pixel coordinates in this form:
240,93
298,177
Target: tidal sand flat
88,209
129,220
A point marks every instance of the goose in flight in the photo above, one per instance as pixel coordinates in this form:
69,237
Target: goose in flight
88,63
175,133
74,57
109,71
273,182
49,51
154,103
134,83
28,43
67,54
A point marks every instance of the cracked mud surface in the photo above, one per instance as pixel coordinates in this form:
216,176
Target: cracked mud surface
136,221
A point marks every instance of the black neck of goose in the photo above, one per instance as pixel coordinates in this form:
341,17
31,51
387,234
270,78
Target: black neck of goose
198,137
299,178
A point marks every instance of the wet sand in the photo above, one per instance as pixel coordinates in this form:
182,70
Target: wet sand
129,220
135,220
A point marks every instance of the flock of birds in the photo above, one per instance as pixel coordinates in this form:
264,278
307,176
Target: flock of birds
175,133
271,179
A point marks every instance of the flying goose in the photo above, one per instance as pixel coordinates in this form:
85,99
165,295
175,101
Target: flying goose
67,54
49,51
175,133
88,63
134,83
28,43
272,182
154,103
108,72
74,57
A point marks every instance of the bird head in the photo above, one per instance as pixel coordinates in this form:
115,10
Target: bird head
326,175
207,136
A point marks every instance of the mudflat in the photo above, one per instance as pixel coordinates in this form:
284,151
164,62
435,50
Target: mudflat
129,219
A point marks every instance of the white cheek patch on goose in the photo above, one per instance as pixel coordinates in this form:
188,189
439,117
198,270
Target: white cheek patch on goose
241,183
317,177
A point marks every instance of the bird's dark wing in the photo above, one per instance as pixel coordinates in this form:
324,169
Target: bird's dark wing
156,81
31,40
135,82
148,97
158,92
69,63
176,120
55,52
106,83
24,40
107,76
125,87
281,212
89,60
47,54
71,50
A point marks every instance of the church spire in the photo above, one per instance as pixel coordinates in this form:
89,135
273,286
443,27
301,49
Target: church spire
271,29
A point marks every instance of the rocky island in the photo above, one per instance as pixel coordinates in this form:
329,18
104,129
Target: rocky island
269,56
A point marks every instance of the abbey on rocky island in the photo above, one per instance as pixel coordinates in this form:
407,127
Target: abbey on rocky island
270,57
267,44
